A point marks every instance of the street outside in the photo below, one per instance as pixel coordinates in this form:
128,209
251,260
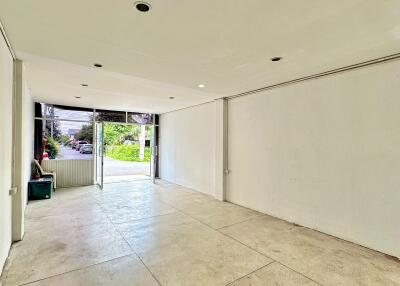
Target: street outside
112,167
69,154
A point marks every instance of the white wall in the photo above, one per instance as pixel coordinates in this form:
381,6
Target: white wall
324,154
28,139
23,147
187,147
6,102
69,172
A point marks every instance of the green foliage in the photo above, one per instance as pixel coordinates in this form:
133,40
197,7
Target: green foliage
63,139
51,148
86,133
116,134
128,153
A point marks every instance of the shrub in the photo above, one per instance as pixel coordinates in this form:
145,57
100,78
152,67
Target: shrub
128,153
51,148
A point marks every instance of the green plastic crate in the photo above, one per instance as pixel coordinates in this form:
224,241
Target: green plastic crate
40,189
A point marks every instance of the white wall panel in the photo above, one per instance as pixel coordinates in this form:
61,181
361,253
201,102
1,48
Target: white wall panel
187,147
6,135
71,173
23,148
324,154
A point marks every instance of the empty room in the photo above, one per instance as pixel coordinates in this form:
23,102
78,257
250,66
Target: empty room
159,143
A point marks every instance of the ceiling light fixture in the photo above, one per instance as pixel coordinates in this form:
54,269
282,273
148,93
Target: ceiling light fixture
84,84
201,86
98,65
276,59
77,97
171,97
142,6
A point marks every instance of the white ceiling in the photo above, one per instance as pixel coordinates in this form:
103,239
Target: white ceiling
59,83
179,44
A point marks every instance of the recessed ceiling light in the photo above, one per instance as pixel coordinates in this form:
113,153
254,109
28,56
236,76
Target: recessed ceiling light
98,65
77,97
142,6
171,97
201,86
84,84
276,59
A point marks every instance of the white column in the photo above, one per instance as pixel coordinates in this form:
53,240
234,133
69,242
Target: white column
23,149
221,151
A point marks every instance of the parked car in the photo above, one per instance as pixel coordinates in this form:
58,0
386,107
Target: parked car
79,145
86,149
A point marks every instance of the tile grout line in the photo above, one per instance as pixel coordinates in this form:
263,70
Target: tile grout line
318,283
208,226
218,230
184,213
225,226
266,265
270,257
179,210
201,222
69,271
137,255
130,246
140,219
148,269
81,268
73,270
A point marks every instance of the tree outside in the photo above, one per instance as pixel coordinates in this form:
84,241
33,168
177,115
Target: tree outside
125,142
122,142
85,133
60,140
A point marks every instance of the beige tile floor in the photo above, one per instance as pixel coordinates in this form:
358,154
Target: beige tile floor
137,233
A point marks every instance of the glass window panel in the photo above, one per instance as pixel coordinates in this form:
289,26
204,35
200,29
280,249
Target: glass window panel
66,112
67,140
140,118
110,116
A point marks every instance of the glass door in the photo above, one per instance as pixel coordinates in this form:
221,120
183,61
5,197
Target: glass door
154,151
100,154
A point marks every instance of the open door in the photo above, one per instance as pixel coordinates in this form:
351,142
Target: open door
100,154
153,150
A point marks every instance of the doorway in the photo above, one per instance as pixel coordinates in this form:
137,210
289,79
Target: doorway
124,152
